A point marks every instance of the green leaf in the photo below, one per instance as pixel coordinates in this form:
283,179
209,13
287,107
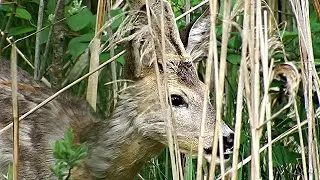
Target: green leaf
9,175
235,41
282,156
14,31
120,60
288,35
315,27
67,155
6,8
313,17
83,38
51,6
116,23
76,49
20,12
35,1
69,137
23,14
79,20
316,51
44,35
78,45
234,58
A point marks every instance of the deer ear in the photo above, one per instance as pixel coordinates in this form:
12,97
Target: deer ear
145,47
198,38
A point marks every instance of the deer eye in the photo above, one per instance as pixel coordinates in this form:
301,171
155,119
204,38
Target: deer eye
178,101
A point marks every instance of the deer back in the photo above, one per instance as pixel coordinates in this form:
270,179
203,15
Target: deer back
39,130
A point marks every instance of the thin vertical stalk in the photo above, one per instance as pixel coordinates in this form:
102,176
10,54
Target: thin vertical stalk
226,27
310,114
314,83
187,9
169,125
4,34
58,46
44,80
255,85
113,64
244,35
270,162
171,121
14,90
36,73
163,104
303,156
238,123
265,107
44,59
272,5
301,11
94,59
281,136
213,55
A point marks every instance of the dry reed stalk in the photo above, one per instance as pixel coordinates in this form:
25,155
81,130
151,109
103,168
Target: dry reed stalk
254,53
283,135
213,55
244,36
63,90
43,63
113,64
265,111
163,104
303,156
93,79
301,11
187,8
43,79
226,27
269,127
94,59
206,96
238,123
37,45
164,108
272,22
15,114
192,9
116,4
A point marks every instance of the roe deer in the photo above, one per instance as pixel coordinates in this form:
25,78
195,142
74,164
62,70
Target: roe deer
136,130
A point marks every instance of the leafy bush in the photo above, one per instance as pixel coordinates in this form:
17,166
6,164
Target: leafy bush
67,155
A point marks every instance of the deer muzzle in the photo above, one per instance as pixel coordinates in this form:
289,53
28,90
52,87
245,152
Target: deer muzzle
228,143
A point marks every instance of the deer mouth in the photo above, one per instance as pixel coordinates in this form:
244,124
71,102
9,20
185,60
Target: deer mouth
227,149
226,154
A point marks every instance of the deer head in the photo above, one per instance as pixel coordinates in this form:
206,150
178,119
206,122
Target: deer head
184,88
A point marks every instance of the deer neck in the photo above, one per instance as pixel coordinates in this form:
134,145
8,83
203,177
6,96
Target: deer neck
117,148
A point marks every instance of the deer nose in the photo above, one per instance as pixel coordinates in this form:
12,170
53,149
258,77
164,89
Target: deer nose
227,146
228,142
